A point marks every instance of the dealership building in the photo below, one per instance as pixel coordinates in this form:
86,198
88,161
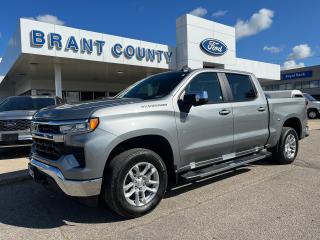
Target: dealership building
306,79
78,65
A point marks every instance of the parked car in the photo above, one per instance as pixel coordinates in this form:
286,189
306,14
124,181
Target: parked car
15,118
170,127
313,106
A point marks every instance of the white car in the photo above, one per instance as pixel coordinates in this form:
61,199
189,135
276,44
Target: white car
313,106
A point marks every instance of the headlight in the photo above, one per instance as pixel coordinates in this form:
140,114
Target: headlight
86,126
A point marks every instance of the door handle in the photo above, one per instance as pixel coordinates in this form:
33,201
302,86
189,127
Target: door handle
224,112
261,109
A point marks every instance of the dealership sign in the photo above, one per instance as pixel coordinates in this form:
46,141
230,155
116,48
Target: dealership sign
294,75
86,45
213,47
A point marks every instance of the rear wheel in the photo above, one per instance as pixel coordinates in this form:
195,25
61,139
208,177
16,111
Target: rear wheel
135,182
287,149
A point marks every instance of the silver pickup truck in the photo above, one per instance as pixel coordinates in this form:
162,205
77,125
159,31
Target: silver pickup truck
170,127
16,113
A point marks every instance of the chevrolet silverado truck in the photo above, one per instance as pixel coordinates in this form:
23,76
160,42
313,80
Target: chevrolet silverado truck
15,118
170,127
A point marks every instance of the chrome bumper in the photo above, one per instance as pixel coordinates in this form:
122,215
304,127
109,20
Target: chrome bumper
86,188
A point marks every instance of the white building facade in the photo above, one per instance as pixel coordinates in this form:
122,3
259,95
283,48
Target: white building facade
45,58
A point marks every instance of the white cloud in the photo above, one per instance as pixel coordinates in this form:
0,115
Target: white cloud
199,12
290,64
272,49
258,22
48,19
300,51
0,59
219,13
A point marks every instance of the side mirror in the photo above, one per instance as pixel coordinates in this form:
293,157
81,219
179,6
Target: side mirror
196,98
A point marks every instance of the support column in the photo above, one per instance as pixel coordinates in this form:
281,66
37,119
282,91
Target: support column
57,79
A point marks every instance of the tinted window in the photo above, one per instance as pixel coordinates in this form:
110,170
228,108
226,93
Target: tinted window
25,103
309,97
241,87
206,82
153,87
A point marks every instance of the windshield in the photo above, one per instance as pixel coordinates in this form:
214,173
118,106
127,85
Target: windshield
25,103
309,97
153,87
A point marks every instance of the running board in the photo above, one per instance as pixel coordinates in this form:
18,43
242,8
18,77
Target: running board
221,167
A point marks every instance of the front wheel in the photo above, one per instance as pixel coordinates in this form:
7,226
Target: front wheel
312,114
135,182
287,149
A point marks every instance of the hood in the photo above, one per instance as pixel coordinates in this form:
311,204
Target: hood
315,104
79,111
17,114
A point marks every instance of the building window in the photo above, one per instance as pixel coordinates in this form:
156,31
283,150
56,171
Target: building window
276,87
290,86
305,84
71,96
268,88
86,96
283,87
112,94
99,95
314,84
297,85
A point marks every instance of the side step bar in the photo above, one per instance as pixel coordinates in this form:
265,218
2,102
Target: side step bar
221,167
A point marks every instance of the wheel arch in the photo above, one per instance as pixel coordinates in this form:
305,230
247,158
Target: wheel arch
294,123
155,142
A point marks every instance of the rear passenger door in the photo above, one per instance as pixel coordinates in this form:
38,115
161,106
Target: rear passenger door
250,112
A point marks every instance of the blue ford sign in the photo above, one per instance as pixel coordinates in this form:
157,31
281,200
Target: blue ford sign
213,47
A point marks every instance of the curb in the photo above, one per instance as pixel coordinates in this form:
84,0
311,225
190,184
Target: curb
14,177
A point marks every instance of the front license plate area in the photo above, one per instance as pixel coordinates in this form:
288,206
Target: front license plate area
10,137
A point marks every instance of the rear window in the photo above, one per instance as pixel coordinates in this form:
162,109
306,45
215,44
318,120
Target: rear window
25,103
241,86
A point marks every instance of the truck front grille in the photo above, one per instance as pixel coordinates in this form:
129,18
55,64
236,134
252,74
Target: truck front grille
44,128
53,151
47,149
14,125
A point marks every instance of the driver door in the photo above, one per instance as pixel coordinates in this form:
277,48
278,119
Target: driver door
205,133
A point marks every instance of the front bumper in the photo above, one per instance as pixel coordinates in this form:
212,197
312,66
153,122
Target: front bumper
73,188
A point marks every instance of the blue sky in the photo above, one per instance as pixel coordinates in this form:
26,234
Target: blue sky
273,31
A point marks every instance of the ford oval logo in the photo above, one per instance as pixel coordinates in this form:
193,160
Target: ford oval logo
213,47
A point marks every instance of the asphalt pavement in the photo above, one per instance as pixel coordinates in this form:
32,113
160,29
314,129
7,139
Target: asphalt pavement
259,201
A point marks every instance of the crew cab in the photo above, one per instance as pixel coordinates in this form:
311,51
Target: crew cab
15,118
170,127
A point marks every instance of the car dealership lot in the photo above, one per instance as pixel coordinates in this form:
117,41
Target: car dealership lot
260,201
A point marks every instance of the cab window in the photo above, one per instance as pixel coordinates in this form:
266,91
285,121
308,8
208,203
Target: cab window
242,87
206,82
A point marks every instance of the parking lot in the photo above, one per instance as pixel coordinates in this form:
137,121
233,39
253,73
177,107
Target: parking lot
259,201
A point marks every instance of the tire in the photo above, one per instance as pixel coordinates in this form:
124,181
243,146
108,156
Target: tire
121,173
313,114
282,154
